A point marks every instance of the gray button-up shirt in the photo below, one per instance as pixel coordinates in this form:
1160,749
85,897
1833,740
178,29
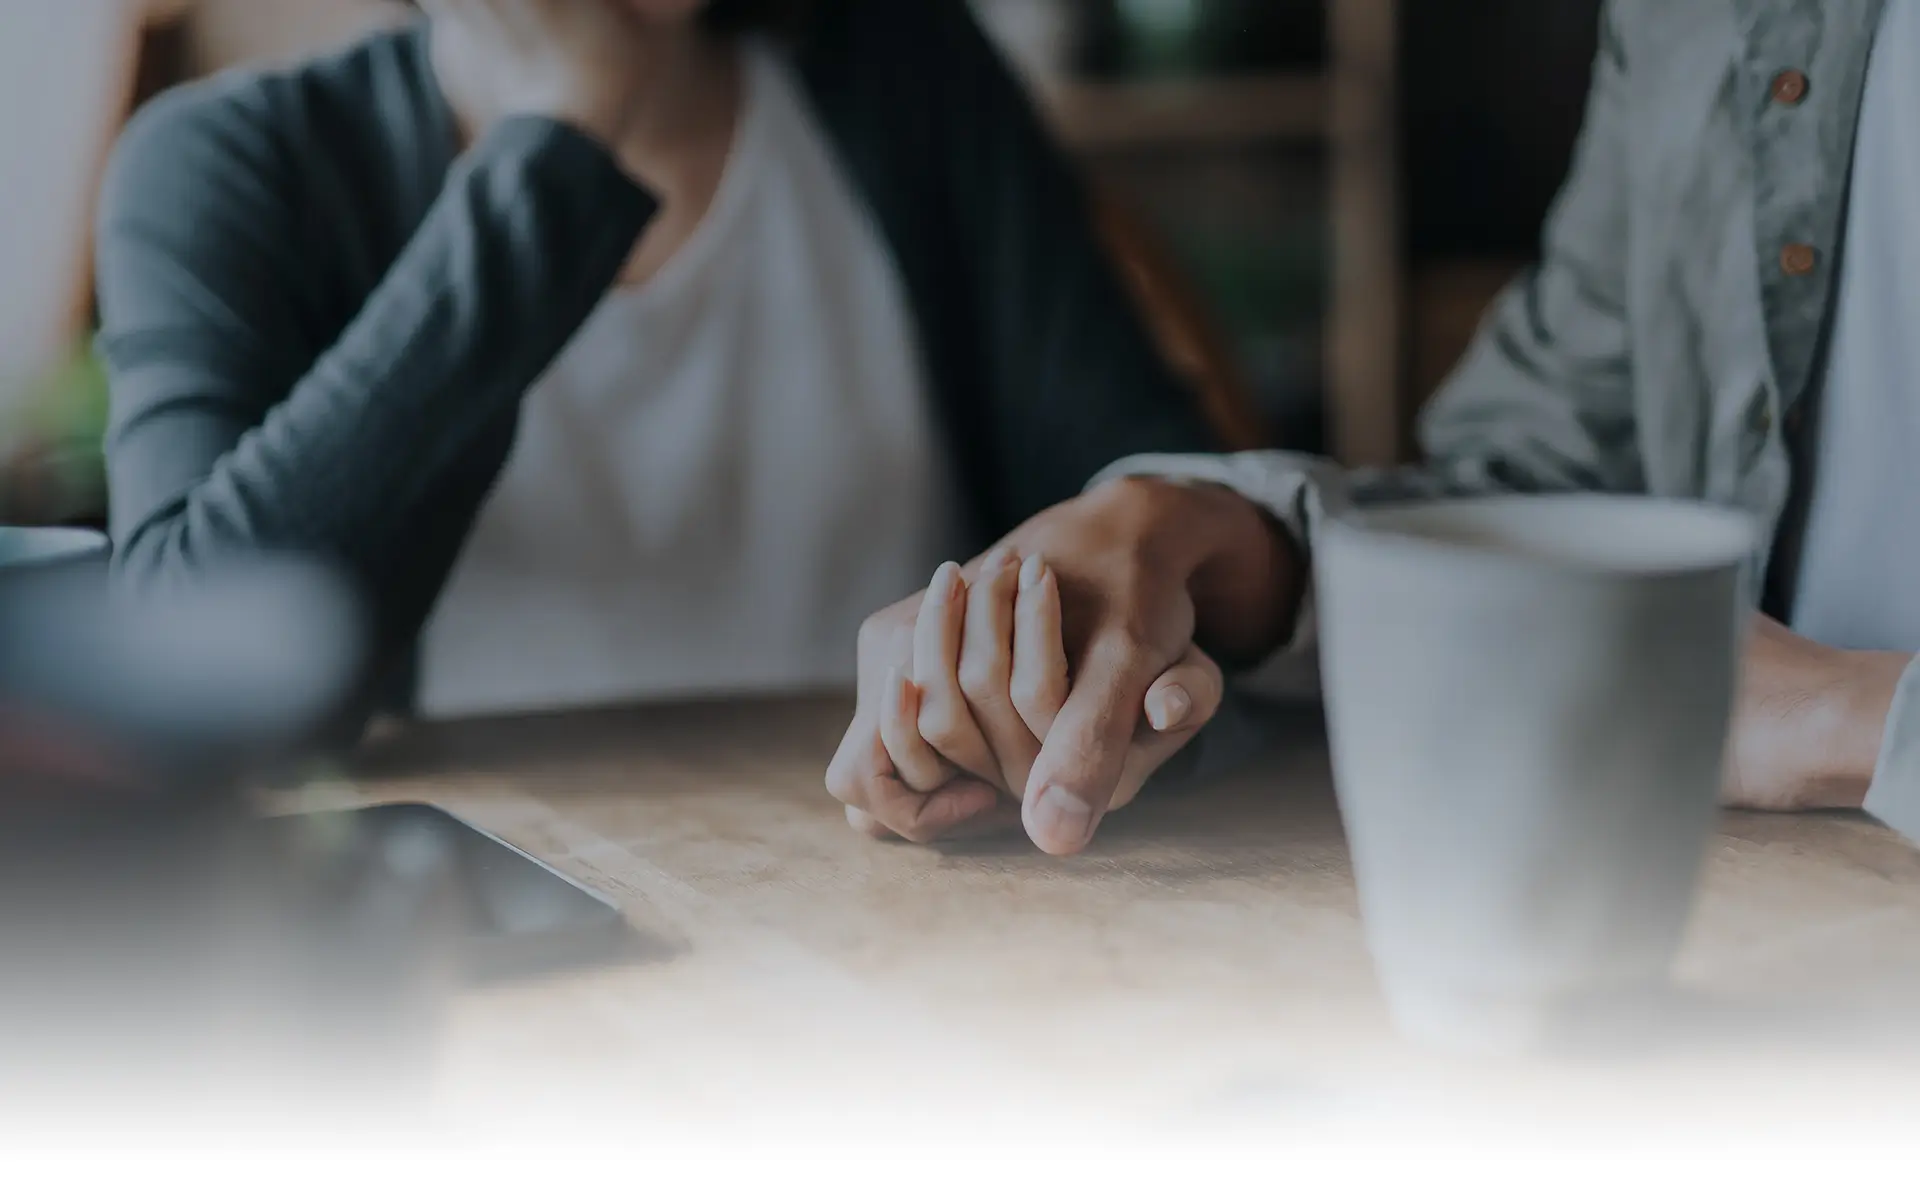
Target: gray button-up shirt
1669,336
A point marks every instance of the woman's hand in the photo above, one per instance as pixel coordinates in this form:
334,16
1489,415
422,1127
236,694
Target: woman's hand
568,60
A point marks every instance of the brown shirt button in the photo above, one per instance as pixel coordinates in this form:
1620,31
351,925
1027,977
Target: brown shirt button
1790,87
1798,258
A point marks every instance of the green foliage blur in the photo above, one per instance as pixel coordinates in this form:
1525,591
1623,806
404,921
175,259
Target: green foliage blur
52,471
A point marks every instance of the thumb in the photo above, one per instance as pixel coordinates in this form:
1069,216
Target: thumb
1080,765
1180,704
1187,696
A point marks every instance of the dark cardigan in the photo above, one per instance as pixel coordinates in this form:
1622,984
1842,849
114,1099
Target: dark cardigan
319,320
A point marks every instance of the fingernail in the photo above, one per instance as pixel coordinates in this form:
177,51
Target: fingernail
1061,822
1031,571
947,580
1168,707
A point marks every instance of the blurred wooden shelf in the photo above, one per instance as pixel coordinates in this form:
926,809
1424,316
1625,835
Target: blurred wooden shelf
160,14
1095,115
1351,110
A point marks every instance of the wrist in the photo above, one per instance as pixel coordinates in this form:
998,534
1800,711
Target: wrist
1862,695
1244,572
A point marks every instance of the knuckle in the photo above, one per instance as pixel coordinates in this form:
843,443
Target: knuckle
941,721
895,815
884,630
1031,694
1126,494
940,732
920,833
875,632
982,682
845,779
946,740
910,823
1125,646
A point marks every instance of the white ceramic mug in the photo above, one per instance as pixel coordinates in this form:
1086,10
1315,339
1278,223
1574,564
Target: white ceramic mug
37,550
1528,699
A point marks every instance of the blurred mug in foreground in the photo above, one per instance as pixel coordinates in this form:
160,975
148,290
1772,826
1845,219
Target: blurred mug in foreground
38,551
161,945
40,567
1529,701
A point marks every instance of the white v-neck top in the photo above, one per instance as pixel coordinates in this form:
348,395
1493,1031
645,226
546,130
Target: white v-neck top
726,470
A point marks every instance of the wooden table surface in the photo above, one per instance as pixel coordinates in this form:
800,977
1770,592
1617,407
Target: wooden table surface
1204,963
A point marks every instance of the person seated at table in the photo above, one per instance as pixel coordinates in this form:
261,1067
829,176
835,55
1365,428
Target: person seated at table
1652,350
617,348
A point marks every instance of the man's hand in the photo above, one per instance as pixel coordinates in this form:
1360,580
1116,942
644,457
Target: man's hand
570,60
1808,724
988,679
1142,570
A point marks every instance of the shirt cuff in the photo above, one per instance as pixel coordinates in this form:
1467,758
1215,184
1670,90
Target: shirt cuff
1895,797
1296,489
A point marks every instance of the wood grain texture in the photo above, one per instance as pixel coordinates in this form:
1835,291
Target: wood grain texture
1207,956
1225,112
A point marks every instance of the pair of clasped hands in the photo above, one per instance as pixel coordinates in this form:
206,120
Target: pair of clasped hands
1061,670
1046,683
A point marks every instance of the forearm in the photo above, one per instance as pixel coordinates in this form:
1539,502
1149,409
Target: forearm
1864,739
1245,574
1250,581
522,244
347,464
1855,725
1895,793
1819,727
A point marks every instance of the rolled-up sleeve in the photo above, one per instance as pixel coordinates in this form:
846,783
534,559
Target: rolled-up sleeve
1542,402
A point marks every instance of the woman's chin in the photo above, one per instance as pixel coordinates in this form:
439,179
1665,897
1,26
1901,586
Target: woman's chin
667,12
